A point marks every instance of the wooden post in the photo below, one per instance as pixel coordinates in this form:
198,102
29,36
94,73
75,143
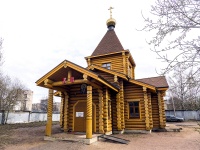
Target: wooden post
147,121
88,62
62,111
150,111
124,62
89,113
69,75
161,120
122,103
66,112
105,110
101,130
133,72
49,113
118,112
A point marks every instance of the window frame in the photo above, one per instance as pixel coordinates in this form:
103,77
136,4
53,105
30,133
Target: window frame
106,67
139,108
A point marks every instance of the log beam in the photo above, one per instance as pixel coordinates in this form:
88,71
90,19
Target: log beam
105,110
66,112
118,112
147,121
60,83
101,129
62,111
69,75
121,83
49,113
161,115
89,113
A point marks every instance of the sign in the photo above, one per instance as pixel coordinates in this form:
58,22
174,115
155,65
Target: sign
71,79
79,114
64,80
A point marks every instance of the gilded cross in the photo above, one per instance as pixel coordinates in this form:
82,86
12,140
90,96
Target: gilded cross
110,11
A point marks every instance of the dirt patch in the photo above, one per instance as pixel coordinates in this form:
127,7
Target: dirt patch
12,134
31,138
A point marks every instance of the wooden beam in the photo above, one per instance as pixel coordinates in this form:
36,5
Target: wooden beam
89,113
101,129
94,85
69,74
62,111
146,107
162,89
105,109
60,83
49,113
85,77
66,112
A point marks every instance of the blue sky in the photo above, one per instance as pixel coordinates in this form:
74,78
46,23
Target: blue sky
39,34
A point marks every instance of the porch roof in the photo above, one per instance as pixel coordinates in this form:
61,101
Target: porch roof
56,75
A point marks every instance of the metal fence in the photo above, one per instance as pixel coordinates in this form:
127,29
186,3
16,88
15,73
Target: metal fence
187,115
25,117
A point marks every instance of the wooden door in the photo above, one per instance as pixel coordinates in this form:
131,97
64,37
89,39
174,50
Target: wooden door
80,117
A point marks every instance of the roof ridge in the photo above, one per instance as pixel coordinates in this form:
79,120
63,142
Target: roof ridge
150,77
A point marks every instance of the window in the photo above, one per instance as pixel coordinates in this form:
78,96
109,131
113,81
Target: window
134,110
106,65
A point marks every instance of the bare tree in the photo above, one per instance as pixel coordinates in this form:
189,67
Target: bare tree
184,90
10,91
1,55
176,24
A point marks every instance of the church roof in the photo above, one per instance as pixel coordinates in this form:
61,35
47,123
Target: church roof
109,44
60,71
158,82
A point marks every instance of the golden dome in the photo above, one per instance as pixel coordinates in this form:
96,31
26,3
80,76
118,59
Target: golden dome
111,22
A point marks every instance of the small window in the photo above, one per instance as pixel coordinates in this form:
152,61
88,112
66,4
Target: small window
106,65
134,110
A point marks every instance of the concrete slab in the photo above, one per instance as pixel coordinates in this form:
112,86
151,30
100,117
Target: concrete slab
72,137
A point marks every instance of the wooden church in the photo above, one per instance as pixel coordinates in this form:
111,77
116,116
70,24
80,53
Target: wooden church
105,97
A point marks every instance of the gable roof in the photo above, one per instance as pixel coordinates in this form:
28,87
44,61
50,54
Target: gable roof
123,76
158,82
119,74
109,44
57,73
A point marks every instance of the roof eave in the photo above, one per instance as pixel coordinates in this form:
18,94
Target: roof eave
105,54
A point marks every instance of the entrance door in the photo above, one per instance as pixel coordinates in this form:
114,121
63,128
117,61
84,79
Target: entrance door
80,117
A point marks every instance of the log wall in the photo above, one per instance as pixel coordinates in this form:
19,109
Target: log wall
134,92
155,110
115,60
107,76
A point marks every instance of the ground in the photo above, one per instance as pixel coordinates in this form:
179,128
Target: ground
30,137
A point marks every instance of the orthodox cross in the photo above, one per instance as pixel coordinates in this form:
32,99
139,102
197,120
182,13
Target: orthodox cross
110,11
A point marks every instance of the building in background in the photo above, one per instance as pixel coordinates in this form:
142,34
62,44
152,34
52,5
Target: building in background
42,106
24,103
